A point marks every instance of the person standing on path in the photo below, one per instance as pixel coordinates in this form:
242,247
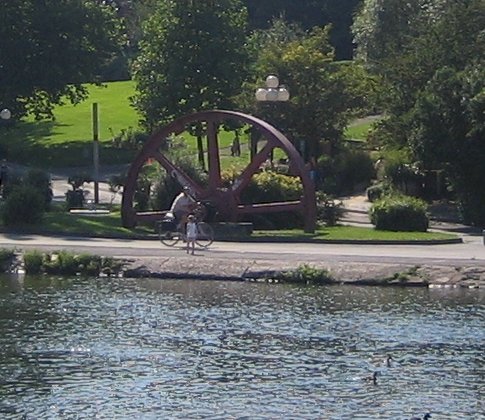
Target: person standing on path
236,146
191,233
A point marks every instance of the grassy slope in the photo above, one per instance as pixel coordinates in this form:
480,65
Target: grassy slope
67,141
359,129
115,114
358,132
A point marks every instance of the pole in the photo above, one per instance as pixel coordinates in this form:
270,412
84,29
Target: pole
96,153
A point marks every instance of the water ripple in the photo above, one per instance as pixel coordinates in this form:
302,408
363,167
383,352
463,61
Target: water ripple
89,348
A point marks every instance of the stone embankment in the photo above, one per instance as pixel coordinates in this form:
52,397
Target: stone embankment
356,273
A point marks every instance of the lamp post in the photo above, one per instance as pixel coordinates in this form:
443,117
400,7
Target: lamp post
272,92
96,152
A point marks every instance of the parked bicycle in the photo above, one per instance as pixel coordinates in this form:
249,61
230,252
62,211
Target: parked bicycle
170,234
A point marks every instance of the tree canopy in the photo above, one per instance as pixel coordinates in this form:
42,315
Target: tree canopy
49,48
261,14
192,57
432,73
324,93
308,14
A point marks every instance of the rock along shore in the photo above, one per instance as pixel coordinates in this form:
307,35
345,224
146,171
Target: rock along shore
356,273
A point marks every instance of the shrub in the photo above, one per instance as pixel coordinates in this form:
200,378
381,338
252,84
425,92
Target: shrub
75,197
66,263
400,213
345,172
329,211
24,205
305,274
399,171
129,138
269,186
14,181
62,262
89,264
33,262
41,181
356,170
142,192
378,191
6,258
78,180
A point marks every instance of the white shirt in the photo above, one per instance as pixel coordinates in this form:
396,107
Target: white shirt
191,230
182,202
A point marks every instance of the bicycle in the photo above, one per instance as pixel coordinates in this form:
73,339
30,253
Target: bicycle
170,235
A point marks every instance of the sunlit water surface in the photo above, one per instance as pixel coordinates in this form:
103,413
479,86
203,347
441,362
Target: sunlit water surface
155,349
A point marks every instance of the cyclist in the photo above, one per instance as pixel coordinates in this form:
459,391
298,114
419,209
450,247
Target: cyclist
182,205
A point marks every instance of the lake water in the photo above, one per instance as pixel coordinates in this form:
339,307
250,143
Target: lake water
155,349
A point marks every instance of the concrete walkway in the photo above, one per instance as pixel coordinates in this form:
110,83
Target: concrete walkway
457,265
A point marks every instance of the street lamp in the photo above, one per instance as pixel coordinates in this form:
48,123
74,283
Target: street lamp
273,92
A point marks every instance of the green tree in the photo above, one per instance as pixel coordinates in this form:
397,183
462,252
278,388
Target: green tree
324,93
49,48
434,94
448,132
307,14
381,28
405,42
192,57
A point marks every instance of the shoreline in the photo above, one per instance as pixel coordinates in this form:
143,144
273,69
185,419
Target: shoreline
351,273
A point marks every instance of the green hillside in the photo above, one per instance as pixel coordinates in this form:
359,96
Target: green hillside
67,141
74,122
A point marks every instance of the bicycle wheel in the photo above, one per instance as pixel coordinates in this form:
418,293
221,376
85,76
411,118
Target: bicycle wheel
205,235
168,238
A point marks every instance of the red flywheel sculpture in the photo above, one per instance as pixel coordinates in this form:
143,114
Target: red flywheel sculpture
226,200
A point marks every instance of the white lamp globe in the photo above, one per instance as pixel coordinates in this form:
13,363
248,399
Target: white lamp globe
272,95
5,114
261,94
272,81
283,94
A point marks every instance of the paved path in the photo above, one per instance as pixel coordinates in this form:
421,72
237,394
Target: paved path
452,265
471,251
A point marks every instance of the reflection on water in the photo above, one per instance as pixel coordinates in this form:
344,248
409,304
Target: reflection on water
115,348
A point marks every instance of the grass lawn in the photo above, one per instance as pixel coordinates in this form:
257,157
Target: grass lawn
344,232
110,225
67,141
100,225
359,129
